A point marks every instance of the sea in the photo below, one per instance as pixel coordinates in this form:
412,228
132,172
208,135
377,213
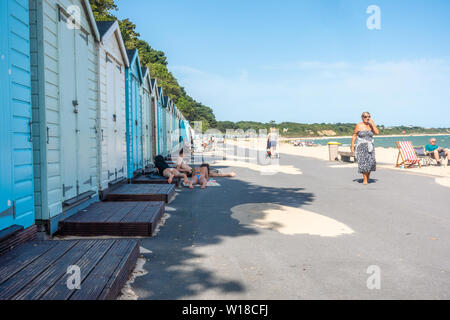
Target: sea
389,142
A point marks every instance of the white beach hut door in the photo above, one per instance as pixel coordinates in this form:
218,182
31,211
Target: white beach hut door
109,137
84,125
145,126
120,146
67,96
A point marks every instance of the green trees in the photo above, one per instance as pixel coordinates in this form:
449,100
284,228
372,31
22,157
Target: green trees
156,62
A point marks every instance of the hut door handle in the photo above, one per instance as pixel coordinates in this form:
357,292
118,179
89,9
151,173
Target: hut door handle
9,211
88,181
48,135
65,189
31,131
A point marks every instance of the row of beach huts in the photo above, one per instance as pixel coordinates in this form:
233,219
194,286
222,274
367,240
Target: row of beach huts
78,112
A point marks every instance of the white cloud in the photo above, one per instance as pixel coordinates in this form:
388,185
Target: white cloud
396,92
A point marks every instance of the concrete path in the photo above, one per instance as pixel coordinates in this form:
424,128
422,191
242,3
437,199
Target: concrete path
210,249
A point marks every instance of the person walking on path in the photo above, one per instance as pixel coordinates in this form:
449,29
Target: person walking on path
365,149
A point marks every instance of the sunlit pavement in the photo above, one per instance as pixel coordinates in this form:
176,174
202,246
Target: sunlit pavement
309,236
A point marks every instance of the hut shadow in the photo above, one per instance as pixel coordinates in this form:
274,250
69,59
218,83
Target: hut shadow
203,218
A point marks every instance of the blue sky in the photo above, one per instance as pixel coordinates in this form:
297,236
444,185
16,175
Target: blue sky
305,61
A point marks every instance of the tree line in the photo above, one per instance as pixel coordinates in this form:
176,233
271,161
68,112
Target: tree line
293,129
156,62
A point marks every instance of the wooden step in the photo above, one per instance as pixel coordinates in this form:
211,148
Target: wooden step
145,179
141,192
127,219
38,270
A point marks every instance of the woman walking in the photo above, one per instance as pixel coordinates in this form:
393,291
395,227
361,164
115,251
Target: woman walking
365,149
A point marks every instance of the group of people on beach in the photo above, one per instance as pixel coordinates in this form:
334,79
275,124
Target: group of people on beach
364,149
199,175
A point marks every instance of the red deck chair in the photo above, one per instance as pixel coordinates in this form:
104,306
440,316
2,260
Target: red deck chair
407,154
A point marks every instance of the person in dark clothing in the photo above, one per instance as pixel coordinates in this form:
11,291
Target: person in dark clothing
168,172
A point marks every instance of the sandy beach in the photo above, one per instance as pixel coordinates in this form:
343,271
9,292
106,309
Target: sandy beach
386,158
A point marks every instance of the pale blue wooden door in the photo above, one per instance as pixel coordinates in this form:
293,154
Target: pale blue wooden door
120,125
135,123
84,129
140,154
69,107
108,138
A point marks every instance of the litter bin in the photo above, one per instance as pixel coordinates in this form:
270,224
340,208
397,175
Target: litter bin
333,148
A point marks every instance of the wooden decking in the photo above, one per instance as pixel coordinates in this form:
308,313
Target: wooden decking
38,270
145,179
15,236
115,219
141,192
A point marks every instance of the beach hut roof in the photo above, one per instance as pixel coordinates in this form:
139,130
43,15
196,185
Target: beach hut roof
91,19
153,85
133,57
165,101
146,75
109,28
103,27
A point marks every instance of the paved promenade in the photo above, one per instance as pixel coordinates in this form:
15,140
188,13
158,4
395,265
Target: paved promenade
308,236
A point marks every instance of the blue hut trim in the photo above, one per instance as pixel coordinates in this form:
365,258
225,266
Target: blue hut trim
133,82
133,57
16,156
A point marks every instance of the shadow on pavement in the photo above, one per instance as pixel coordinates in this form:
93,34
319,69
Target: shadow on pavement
203,218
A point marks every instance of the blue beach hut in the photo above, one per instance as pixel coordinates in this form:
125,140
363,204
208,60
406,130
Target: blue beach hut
154,112
16,155
133,83
160,122
65,83
166,125
112,151
147,118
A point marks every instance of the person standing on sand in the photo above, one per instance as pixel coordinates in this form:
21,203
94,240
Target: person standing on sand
365,149
272,139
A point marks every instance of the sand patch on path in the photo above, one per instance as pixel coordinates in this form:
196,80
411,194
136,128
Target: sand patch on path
265,169
288,220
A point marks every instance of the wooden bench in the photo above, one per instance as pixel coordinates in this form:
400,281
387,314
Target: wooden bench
346,156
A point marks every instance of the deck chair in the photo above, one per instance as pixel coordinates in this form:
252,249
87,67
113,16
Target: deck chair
425,159
407,154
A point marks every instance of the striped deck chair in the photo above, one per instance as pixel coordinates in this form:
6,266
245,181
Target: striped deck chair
407,154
